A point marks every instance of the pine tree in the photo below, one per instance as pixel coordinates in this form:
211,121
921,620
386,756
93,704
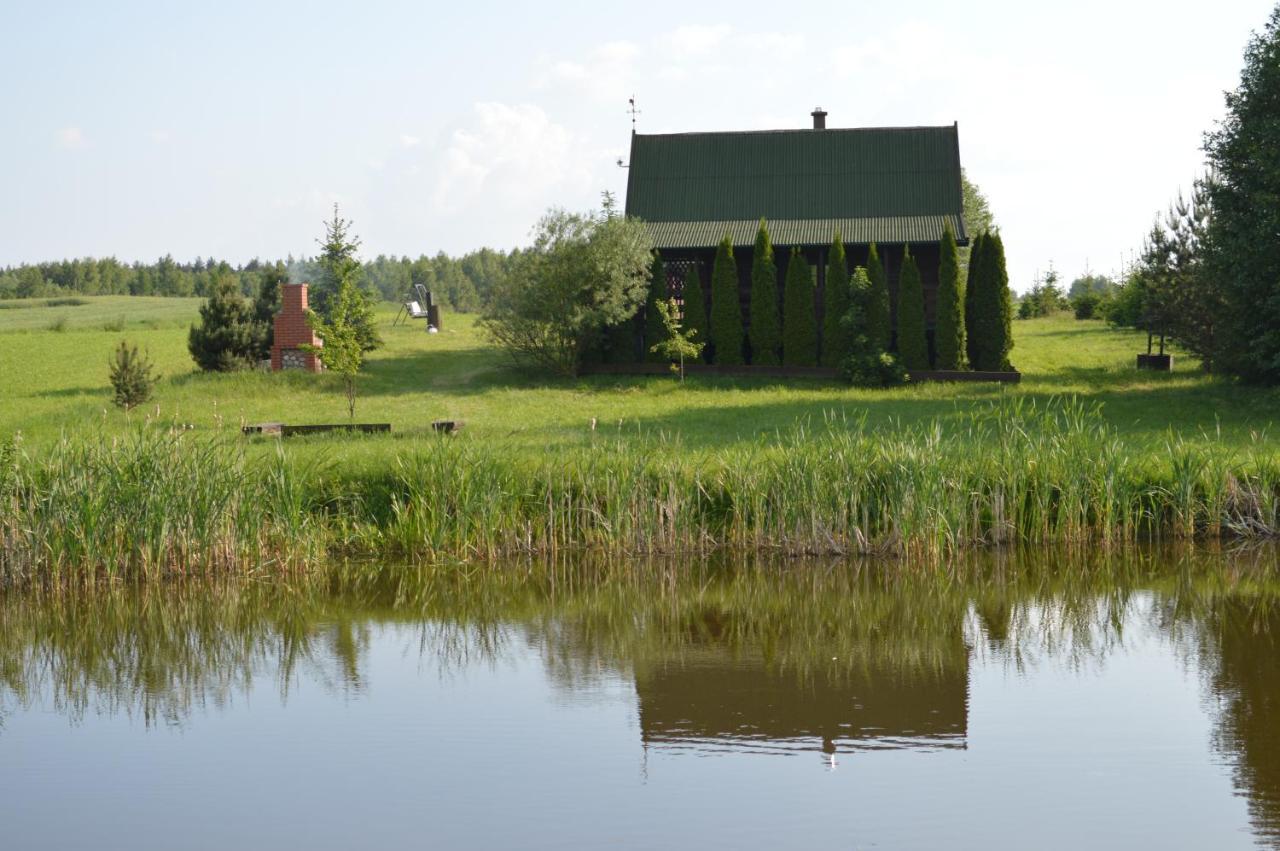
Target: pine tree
694,311
131,377
972,287
225,338
835,301
726,311
655,328
913,345
799,325
879,326
766,333
948,332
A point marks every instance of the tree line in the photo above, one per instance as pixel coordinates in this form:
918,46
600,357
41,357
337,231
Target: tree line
463,283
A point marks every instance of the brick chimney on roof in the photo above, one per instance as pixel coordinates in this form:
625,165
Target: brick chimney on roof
292,331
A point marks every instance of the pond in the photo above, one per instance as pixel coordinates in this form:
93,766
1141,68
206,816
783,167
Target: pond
1009,701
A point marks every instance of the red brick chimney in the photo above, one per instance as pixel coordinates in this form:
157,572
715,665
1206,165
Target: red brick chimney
292,331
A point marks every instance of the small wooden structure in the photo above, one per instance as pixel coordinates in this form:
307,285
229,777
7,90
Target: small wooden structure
283,430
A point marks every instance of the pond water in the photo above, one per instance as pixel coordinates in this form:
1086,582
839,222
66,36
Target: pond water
1014,702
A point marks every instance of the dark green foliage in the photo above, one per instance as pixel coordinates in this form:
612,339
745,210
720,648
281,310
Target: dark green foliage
866,364
1045,298
879,325
694,310
226,338
1086,304
1243,249
766,325
991,334
913,345
337,263
835,303
266,304
131,377
655,329
948,331
976,255
726,311
799,324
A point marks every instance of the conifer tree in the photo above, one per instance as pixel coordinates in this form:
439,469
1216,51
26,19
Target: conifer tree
990,336
726,311
835,302
266,304
799,324
766,331
337,262
948,332
226,337
694,318
878,317
913,345
973,284
131,377
655,329
1003,303
867,364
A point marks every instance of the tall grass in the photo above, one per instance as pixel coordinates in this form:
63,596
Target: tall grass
1015,472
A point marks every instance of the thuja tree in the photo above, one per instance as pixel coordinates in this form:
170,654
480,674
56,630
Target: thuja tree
991,334
835,304
655,326
694,309
766,325
1243,247
913,346
226,337
977,254
877,301
867,363
948,331
726,313
799,325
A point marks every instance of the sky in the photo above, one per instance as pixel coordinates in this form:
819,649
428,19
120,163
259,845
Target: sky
229,129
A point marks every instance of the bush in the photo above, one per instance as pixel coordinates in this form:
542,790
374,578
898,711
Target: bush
949,328
1086,305
766,330
913,345
867,364
835,304
726,309
799,325
131,377
226,337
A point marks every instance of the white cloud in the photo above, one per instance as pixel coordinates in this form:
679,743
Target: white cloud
696,40
407,141
71,138
608,72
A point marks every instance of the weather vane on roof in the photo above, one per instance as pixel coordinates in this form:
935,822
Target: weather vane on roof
633,111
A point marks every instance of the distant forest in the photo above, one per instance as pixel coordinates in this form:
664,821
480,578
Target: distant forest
463,283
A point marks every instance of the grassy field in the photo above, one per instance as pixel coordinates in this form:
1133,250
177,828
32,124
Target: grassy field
53,381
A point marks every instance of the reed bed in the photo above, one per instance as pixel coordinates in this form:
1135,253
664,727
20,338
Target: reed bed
1016,472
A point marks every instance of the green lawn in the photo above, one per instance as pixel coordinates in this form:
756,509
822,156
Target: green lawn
53,379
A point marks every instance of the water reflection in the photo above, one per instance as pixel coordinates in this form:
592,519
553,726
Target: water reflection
723,658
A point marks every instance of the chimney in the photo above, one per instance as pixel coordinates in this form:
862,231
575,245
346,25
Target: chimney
819,118
292,332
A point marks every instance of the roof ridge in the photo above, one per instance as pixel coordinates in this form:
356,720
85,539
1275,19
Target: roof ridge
807,130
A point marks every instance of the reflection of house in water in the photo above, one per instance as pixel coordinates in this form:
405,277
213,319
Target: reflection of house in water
709,700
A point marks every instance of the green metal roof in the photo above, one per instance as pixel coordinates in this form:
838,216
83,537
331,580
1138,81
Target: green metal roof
895,184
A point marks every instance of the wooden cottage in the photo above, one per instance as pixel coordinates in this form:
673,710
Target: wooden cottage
895,186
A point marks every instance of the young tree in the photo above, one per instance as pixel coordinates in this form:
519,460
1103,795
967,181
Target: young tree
337,262
694,316
766,331
677,345
973,283
584,273
913,345
991,336
266,305
131,377
799,325
342,352
948,334
877,302
867,364
655,328
226,337
1242,246
835,304
726,312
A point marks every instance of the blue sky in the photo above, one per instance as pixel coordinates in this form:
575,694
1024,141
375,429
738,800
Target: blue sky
228,129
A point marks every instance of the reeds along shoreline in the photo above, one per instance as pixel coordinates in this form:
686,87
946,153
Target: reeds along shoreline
158,503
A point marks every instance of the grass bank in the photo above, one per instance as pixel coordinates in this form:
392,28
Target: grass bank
156,501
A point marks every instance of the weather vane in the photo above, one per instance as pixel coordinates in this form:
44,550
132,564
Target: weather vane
631,109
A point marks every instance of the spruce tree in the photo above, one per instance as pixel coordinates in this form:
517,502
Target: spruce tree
655,329
266,305
835,303
694,318
973,285
799,324
766,331
226,336
913,345
337,262
878,316
726,311
948,332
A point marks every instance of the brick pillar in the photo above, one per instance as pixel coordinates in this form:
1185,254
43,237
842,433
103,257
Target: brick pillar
292,331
